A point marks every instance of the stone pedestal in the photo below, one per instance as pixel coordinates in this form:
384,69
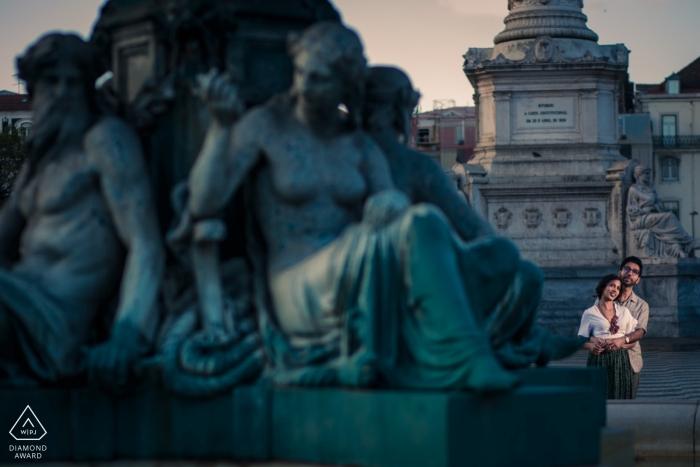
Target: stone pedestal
553,419
547,99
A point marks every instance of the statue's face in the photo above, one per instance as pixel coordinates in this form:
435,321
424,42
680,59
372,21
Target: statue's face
317,87
63,82
644,177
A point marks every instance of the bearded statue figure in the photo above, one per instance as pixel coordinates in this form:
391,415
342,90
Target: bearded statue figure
79,233
657,232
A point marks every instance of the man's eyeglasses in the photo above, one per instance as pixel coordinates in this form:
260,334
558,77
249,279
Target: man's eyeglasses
634,272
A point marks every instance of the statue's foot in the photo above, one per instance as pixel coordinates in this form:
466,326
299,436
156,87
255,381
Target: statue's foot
557,347
488,377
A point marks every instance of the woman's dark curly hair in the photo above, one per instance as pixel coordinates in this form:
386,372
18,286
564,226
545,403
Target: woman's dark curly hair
604,283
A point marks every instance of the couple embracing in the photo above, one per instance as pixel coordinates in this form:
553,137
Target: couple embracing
614,325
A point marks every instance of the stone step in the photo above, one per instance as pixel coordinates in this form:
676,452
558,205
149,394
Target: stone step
553,419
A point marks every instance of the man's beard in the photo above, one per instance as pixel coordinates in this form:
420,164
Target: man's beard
58,125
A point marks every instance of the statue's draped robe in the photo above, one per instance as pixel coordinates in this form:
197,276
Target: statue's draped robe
363,295
50,331
659,234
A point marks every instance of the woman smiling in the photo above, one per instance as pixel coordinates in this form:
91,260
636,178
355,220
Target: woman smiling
603,321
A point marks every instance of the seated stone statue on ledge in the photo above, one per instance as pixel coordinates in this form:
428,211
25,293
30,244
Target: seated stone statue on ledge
81,222
355,286
389,103
657,232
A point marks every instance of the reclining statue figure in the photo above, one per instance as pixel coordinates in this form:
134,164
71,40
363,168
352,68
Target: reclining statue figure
516,341
353,285
657,232
81,221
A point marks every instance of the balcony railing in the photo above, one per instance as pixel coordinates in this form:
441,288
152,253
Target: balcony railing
680,141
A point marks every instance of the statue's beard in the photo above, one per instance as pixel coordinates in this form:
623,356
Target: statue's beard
59,124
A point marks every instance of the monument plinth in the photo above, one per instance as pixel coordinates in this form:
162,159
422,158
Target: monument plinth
547,97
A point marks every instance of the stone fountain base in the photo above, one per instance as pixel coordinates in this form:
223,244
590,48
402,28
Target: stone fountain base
553,418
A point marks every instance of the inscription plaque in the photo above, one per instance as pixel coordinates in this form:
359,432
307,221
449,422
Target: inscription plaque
545,113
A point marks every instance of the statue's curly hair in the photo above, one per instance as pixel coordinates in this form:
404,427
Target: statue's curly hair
341,49
388,93
51,48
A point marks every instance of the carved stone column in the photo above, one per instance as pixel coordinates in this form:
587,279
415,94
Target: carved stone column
502,111
589,116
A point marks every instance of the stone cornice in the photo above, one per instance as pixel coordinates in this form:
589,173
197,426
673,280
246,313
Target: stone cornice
670,97
548,52
521,83
514,67
554,23
559,191
661,151
503,148
515,4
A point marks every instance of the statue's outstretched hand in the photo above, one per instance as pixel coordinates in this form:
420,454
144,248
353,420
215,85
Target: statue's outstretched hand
110,362
220,95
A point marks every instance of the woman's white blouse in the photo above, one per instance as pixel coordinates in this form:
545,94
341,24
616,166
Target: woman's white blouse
593,323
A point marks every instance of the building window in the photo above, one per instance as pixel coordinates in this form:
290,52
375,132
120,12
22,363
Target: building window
674,207
668,130
24,129
423,135
669,169
626,151
673,87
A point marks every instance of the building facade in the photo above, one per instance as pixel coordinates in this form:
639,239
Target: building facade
445,134
15,110
674,111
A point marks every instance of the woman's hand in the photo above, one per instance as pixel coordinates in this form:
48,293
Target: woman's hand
614,344
598,349
595,345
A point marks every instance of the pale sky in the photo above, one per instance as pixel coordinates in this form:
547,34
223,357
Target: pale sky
426,38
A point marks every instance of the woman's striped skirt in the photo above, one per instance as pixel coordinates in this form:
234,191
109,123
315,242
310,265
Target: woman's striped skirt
619,372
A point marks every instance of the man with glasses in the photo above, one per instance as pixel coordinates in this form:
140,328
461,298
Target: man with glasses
630,274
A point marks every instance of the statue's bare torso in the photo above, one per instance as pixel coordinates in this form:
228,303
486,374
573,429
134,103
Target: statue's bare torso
69,244
309,190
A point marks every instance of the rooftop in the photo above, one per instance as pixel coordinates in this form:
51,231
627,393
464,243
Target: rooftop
690,81
452,112
14,102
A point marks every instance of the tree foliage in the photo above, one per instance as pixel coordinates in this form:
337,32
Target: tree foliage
11,159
